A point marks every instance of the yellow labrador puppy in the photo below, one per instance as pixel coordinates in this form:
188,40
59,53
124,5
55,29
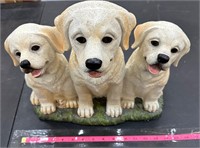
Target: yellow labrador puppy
97,31
159,44
38,51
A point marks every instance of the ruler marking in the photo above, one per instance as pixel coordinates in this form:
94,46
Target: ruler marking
140,138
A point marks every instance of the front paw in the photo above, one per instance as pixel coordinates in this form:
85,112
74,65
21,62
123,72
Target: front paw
151,106
48,108
34,100
72,104
113,110
63,103
85,111
128,104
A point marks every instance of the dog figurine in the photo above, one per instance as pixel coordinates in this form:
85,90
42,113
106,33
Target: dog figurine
159,44
38,49
96,31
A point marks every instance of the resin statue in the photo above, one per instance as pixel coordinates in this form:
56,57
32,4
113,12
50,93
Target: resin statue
38,51
159,44
96,31
94,87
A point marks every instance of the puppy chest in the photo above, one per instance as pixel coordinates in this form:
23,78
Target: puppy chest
99,90
142,87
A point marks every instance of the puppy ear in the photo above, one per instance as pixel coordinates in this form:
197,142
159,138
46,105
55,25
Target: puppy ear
141,31
127,22
184,51
62,23
54,37
6,46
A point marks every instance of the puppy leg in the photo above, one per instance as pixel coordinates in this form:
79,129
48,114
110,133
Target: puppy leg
128,95
46,100
72,98
150,102
85,103
34,99
113,106
68,98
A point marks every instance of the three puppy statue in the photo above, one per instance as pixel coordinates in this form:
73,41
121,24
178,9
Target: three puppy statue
97,34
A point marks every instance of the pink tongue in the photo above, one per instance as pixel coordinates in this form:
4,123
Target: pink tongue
95,74
153,69
36,73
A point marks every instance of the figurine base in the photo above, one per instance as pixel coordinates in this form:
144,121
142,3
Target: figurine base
100,117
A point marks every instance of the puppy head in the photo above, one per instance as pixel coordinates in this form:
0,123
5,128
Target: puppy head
162,44
33,46
95,32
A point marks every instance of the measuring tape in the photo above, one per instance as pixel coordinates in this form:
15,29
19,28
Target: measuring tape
129,138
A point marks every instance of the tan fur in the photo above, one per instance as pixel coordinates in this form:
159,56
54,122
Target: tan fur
54,85
138,81
94,20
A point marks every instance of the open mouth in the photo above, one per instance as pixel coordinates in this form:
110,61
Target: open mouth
95,74
155,68
34,72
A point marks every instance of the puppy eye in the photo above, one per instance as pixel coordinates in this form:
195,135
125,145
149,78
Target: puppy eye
154,43
174,50
35,48
81,40
107,39
18,54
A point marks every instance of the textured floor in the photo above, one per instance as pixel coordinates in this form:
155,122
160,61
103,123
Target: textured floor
181,95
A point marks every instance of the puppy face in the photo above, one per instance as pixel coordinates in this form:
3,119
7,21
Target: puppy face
95,43
163,44
30,47
95,33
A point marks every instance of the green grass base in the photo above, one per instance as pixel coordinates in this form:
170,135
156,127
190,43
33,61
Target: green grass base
100,117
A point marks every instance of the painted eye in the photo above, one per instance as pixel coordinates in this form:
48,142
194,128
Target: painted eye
107,39
81,40
18,54
35,48
174,50
154,43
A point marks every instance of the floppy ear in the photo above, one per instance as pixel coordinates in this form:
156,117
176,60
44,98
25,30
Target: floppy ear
184,51
140,32
62,23
6,46
54,37
127,22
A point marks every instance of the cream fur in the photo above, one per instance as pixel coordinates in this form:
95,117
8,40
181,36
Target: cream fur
94,20
54,84
138,81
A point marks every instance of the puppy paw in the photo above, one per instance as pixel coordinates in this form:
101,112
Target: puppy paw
85,111
48,108
113,110
128,104
151,106
71,104
64,103
34,100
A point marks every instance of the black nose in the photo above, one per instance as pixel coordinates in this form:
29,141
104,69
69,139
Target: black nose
93,64
162,58
25,64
